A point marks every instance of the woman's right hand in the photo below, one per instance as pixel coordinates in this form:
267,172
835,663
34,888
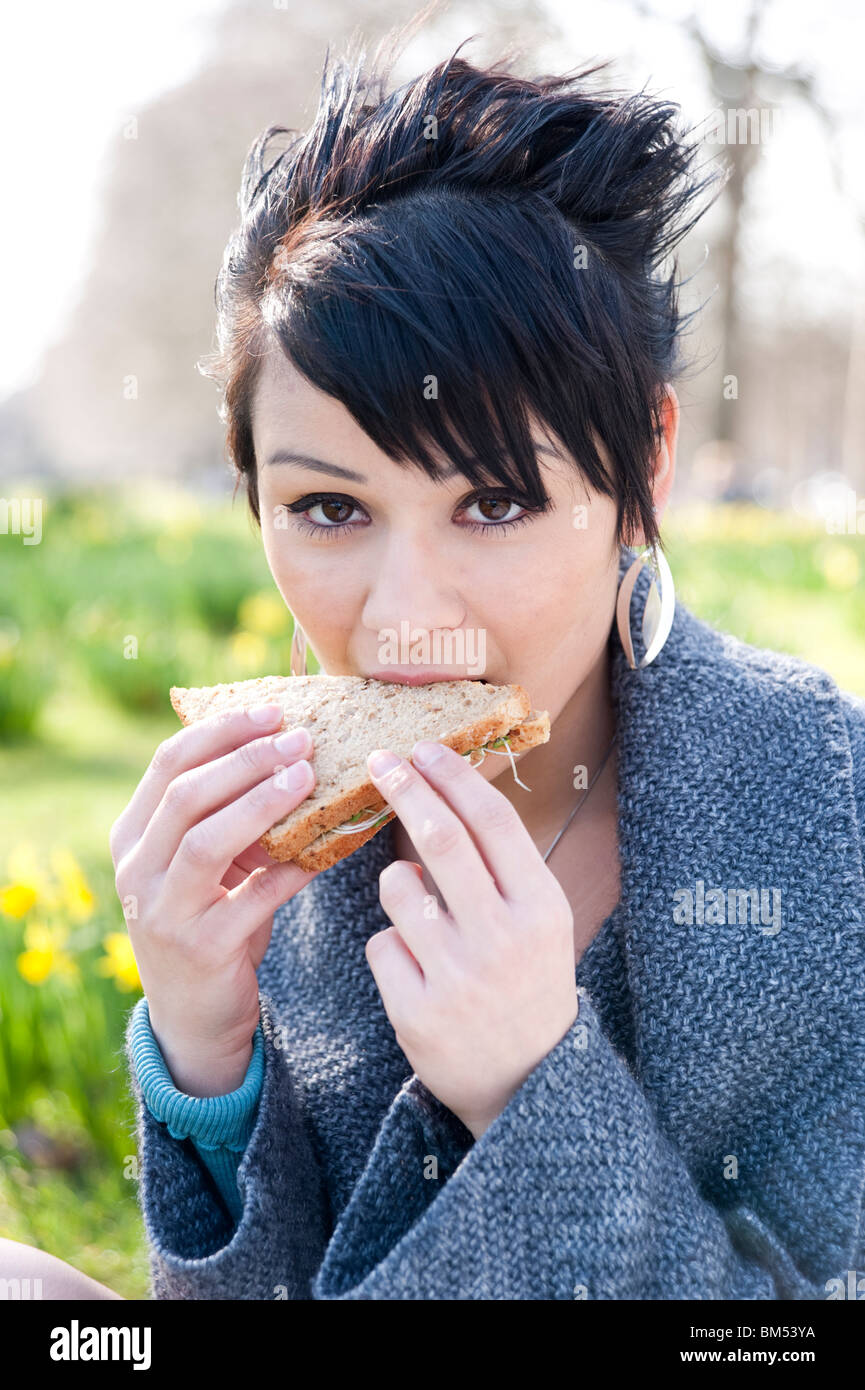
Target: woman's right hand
198,891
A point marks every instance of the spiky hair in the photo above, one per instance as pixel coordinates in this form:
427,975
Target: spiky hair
502,235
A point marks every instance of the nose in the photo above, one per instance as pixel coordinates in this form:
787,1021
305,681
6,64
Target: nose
410,583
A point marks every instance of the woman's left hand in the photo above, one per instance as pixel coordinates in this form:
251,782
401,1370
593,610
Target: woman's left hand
480,993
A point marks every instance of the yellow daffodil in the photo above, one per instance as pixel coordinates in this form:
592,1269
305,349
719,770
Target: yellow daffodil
119,961
26,870
45,955
35,966
16,899
78,900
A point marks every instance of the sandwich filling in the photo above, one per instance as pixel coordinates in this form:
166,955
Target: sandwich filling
366,818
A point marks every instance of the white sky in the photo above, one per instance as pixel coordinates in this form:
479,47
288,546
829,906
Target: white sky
71,74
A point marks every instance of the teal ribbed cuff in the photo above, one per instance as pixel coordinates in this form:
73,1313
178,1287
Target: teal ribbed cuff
212,1122
222,1165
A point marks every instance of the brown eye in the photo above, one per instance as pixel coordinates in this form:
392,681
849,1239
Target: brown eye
494,508
494,511
331,507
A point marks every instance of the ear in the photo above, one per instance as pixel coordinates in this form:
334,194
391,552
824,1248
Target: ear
665,459
664,463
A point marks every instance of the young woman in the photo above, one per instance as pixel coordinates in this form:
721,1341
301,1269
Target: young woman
623,1057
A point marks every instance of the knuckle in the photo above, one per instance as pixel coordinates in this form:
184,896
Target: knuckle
438,836
265,794
166,756
122,882
250,755
263,884
198,846
496,814
180,793
399,779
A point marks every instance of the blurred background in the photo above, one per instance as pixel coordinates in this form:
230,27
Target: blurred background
126,568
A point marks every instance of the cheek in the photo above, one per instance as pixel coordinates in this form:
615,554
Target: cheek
569,585
283,562
292,577
304,580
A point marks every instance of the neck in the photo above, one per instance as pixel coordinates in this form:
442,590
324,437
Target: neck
579,738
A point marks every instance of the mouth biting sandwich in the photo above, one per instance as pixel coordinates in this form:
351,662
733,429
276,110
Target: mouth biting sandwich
349,716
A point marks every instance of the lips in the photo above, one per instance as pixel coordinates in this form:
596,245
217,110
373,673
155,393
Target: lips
420,676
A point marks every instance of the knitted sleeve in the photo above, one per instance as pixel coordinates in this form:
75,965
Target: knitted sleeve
573,1192
197,1247
854,713
854,709
219,1126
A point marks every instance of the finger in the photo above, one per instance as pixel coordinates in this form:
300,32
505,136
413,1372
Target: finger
207,849
189,747
244,913
398,976
404,900
253,857
201,790
507,848
442,841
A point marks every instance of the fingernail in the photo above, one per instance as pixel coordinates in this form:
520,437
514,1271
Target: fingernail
425,753
292,742
264,714
382,761
293,777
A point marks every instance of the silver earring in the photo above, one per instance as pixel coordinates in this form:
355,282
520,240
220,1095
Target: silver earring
297,664
660,607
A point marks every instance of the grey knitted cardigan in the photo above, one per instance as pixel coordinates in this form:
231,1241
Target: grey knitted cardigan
698,1133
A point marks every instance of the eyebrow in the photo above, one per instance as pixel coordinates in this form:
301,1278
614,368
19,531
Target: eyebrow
335,471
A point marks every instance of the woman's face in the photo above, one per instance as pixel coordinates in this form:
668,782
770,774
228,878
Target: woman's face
365,550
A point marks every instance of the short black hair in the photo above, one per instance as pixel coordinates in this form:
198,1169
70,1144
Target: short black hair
453,255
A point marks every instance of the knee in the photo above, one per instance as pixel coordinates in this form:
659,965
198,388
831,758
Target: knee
26,1272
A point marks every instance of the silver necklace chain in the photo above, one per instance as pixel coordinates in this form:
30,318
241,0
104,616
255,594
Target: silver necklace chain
583,798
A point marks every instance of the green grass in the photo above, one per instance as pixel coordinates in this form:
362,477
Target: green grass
79,721
774,581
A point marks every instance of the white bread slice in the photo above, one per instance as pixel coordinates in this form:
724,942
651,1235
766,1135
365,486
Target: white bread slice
349,716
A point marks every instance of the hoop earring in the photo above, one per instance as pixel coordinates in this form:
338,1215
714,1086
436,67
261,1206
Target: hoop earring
297,664
659,611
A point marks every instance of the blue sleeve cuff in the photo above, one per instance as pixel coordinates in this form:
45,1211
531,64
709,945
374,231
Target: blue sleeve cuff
212,1122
